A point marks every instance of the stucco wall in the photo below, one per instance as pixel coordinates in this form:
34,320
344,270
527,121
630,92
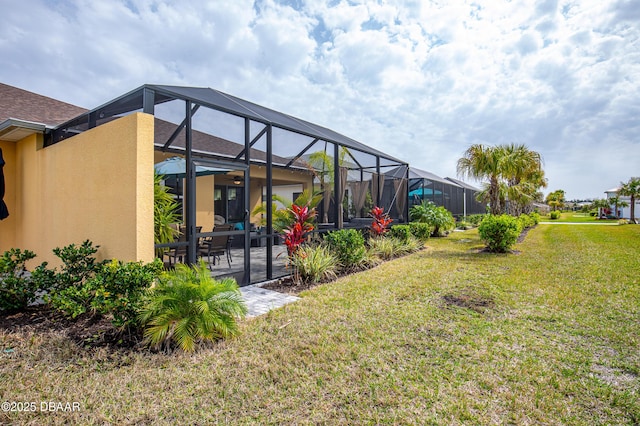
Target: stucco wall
97,185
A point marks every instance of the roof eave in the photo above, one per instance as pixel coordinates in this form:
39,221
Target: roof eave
13,129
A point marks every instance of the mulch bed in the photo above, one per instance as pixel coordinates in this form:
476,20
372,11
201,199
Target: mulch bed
86,330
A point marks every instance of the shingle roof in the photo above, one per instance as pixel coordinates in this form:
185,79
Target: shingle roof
29,106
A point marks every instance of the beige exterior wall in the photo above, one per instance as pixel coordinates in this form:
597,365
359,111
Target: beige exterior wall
97,185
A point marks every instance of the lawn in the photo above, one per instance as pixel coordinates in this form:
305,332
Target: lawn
448,335
578,217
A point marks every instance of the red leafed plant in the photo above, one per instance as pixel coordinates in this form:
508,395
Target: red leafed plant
295,234
380,221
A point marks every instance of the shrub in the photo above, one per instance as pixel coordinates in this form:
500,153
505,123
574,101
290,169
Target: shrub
302,223
422,231
535,217
401,232
475,219
119,289
188,306
314,264
554,214
623,222
463,225
438,217
348,245
17,288
499,232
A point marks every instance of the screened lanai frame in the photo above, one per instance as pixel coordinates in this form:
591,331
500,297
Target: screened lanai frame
353,161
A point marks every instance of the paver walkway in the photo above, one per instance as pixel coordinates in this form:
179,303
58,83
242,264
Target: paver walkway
260,300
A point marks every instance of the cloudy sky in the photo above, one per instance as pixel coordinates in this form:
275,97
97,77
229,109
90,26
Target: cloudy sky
419,79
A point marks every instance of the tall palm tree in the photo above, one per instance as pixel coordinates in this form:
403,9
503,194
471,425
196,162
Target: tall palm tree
632,190
514,173
617,202
480,162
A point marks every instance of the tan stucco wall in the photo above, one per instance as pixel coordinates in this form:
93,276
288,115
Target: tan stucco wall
97,185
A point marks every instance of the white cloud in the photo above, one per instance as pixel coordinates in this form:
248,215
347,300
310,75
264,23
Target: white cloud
420,80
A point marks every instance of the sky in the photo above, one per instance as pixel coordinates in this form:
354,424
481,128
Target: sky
421,80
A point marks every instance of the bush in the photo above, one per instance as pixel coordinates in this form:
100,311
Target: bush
314,264
623,222
554,215
119,288
463,225
188,306
535,217
438,217
17,288
422,231
475,219
500,233
348,246
401,232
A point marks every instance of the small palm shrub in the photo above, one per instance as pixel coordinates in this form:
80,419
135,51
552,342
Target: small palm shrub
554,215
189,306
438,217
500,233
422,231
348,246
314,264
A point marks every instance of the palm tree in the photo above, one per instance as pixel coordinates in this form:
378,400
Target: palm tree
616,201
165,214
555,199
480,162
514,173
631,189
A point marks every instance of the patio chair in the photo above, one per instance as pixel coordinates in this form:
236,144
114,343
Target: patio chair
217,245
179,253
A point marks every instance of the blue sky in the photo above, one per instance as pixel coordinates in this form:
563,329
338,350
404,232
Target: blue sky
420,80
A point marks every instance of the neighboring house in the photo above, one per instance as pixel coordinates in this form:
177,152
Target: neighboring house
74,174
623,212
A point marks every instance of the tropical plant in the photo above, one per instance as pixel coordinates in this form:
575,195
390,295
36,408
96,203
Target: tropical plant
390,247
438,217
188,306
380,222
555,214
600,205
631,189
295,234
482,162
348,245
282,217
165,214
500,233
314,264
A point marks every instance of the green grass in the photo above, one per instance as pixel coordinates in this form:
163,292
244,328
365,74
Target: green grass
577,218
448,335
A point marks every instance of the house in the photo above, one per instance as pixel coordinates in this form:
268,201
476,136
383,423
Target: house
624,212
74,174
